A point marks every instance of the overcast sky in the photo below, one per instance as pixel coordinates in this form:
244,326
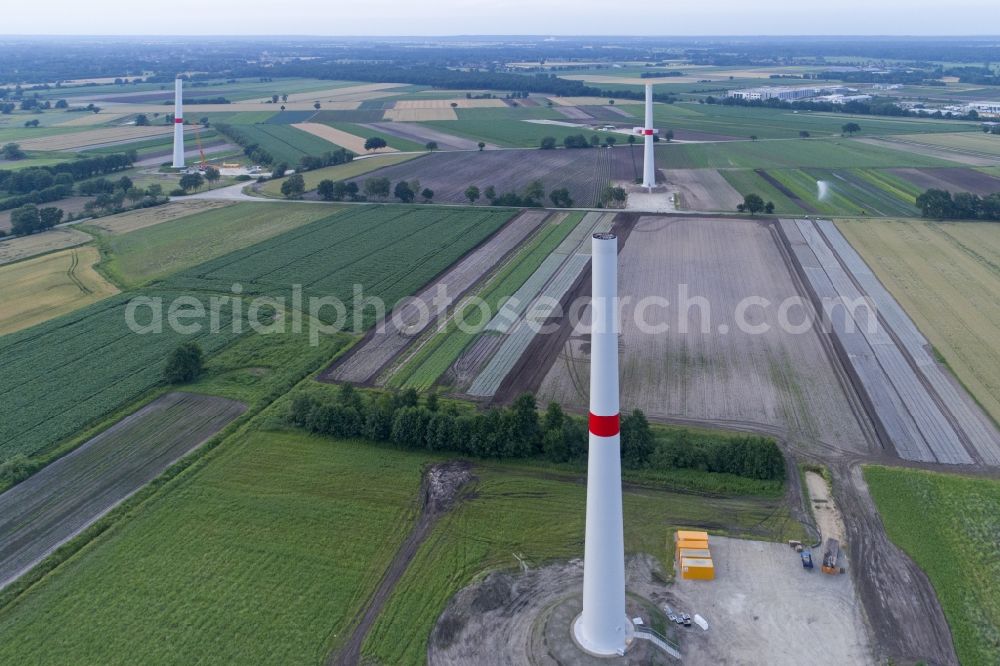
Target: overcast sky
469,17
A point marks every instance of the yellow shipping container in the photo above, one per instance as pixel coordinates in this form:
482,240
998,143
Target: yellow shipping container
697,569
695,553
699,545
691,535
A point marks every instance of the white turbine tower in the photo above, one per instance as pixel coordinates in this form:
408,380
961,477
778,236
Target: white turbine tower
603,628
647,132
178,124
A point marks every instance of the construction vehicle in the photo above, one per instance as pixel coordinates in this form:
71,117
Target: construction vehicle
830,557
807,559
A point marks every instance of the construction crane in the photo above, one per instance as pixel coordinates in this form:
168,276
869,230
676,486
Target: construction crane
203,164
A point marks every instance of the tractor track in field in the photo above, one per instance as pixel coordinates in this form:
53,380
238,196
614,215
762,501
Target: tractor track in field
440,490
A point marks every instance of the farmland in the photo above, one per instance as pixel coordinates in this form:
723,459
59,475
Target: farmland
950,526
425,367
39,289
328,257
23,247
353,169
284,143
584,173
945,277
223,538
506,133
155,251
91,138
135,220
912,398
819,153
774,380
335,136
68,495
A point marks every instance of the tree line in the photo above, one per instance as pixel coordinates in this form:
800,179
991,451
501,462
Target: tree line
943,205
520,432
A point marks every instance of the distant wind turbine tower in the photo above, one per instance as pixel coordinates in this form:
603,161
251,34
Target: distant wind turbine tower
178,123
603,628
648,132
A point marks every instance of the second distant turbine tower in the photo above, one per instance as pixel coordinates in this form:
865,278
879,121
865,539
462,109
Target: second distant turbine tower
648,132
178,124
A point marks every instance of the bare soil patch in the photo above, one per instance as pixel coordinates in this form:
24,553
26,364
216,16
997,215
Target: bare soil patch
953,180
702,189
778,185
828,518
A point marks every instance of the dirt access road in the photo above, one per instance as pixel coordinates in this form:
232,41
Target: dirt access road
442,484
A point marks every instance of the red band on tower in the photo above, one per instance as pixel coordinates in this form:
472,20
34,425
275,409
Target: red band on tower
178,120
649,131
604,426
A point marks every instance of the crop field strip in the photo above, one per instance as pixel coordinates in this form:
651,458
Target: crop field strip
91,138
980,432
406,324
584,173
946,277
328,257
24,247
284,142
917,419
64,374
918,147
60,501
38,289
423,134
434,357
770,380
575,251
335,136
953,180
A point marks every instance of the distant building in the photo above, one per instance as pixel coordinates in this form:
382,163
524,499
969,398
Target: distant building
785,93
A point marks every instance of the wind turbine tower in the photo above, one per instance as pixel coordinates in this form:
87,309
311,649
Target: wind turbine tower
178,123
648,132
603,628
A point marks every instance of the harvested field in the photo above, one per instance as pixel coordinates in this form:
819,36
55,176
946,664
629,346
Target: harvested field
354,93
716,364
953,180
921,410
355,116
87,119
702,189
92,138
367,359
39,289
587,101
59,502
416,115
15,249
425,134
459,102
124,223
583,172
339,137
945,276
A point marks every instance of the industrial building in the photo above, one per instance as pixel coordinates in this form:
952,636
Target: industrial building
785,93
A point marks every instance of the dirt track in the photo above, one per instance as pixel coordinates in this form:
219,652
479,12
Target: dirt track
441,486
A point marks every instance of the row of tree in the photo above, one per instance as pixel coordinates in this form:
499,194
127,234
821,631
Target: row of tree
30,219
943,205
519,431
754,203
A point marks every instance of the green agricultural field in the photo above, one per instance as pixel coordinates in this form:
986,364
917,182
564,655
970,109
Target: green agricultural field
284,142
157,251
437,355
538,514
748,181
267,550
819,153
974,143
509,113
389,250
262,556
349,171
950,525
740,121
